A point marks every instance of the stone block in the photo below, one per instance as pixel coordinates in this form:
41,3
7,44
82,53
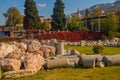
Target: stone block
20,73
33,62
10,64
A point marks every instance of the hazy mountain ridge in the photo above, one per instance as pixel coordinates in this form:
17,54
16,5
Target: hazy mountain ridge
106,7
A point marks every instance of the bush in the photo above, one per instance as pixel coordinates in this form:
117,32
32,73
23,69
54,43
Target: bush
84,28
71,36
98,49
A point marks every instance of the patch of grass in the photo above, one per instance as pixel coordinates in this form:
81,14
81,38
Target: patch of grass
107,73
88,49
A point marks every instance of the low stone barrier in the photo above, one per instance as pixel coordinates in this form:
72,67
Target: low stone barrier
115,42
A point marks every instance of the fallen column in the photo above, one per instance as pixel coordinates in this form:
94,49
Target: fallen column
69,56
58,63
73,62
88,61
111,60
72,59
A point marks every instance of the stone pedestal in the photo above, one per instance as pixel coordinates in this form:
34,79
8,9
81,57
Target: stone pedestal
60,48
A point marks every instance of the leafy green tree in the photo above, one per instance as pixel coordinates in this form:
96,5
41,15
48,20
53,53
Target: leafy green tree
74,24
84,28
31,18
43,26
59,20
86,22
109,25
46,26
118,16
13,17
87,13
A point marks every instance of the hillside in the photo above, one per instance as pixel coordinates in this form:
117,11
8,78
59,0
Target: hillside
106,7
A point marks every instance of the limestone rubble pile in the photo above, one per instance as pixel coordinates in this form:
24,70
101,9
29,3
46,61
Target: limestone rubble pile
10,64
32,45
34,62
25,55
18,46
5,49
14,55
48,51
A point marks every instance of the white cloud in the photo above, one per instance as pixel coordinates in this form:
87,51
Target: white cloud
42,5
23,7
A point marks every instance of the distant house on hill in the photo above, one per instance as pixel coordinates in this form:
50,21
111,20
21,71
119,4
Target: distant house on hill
76,14
43,19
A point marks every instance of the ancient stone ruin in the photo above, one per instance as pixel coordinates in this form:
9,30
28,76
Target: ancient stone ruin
18,59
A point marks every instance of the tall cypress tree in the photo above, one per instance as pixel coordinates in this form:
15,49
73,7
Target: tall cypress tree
31,19
59,20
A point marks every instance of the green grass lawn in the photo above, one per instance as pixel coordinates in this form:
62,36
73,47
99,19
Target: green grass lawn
106,73
88,49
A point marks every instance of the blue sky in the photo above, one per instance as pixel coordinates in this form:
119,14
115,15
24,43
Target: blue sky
45,7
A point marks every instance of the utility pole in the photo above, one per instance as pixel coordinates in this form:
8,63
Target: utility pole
99,24
92,24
